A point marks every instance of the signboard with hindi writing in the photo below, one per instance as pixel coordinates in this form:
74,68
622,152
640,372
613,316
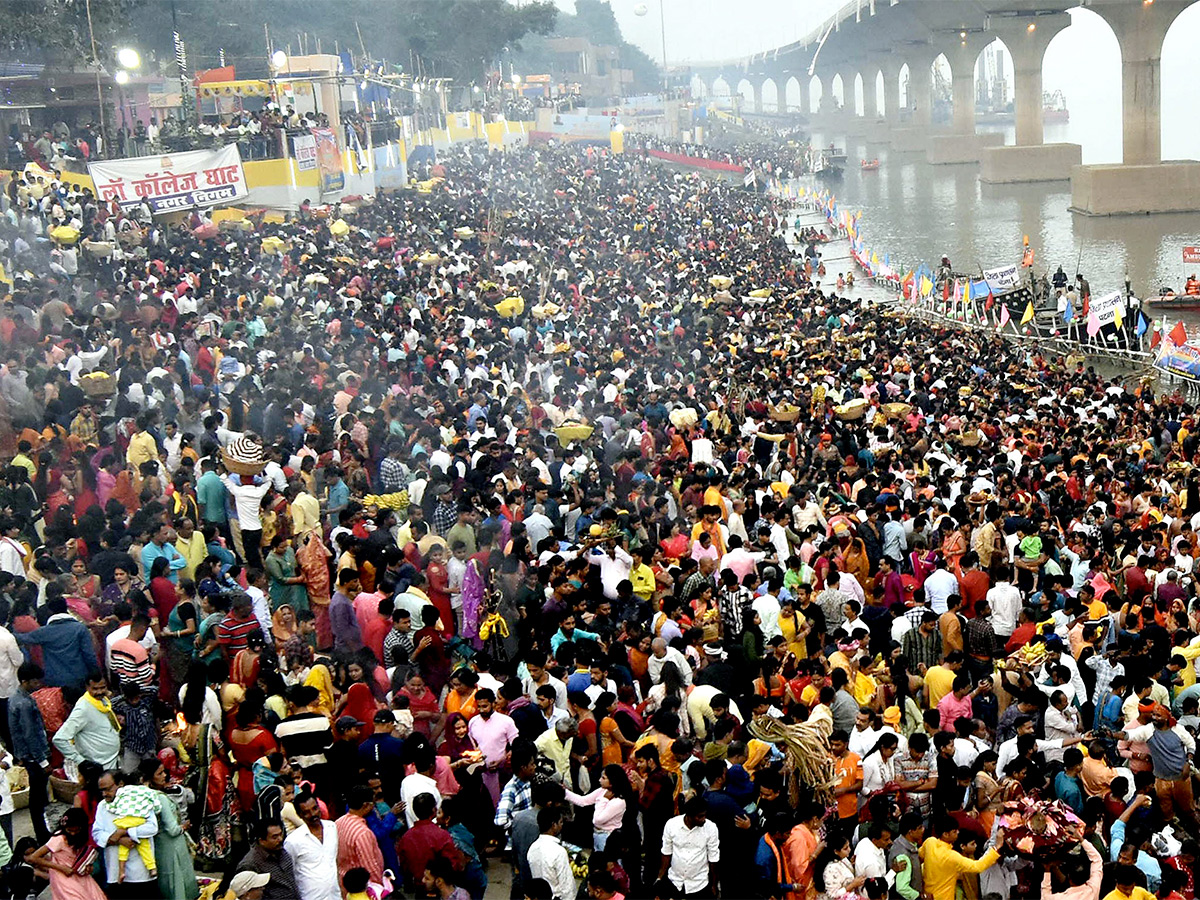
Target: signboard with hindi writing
1191,254
1105,308
1001,279
172,182
305,147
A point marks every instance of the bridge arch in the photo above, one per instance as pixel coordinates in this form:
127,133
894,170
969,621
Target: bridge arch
1088,53
793,97
769,94
838,92
1179,141
858,95
904,92
721,88
749,95
816,96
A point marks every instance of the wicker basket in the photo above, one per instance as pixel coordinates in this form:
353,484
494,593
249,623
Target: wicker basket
897,410
971,438
98,385
99,249
784,413
244,457
852,411
64,791
132,238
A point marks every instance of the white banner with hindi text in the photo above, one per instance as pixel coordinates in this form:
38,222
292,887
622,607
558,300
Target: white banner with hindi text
172,182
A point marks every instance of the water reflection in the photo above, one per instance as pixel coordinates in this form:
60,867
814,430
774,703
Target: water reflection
917,213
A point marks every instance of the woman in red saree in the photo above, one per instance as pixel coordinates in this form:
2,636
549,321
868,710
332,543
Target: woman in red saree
247,662
313,557
249,742
360,703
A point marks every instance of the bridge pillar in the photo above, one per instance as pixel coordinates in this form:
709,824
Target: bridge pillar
920,91
1140,30
962,145
1144,183
1030,159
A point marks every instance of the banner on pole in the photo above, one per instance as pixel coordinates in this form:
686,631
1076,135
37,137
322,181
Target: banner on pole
172,182
1002,279
1106,307
329,161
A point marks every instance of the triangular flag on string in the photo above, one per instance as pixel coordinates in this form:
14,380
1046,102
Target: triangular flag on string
1093,323
1028,317
1178,334
1069,314
1004,317
1141,325
1155,337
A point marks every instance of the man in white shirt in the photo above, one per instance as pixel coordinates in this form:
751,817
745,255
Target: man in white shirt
870,856
313,848
691,849
863,736
615,565
940,585
660,655
419,782
548,858
1005,602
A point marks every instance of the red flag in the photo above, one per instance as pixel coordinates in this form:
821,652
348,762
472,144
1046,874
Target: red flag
1155,338
1179,334
991,301
946,289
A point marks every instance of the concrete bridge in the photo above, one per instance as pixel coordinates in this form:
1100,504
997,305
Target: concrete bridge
900,40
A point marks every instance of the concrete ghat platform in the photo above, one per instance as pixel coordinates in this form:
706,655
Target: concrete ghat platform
1016,165
959,149
1117,190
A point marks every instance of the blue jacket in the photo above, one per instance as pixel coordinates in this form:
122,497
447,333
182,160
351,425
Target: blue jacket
67,650
29,742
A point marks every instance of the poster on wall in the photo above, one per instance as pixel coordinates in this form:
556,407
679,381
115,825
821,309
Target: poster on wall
172,182
305,147
329,161
462,120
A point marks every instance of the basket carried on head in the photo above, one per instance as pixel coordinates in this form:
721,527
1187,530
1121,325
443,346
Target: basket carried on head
570,432
244,457
98,385
784,412
852,411
897,410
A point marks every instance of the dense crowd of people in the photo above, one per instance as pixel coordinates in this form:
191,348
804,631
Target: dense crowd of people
575,486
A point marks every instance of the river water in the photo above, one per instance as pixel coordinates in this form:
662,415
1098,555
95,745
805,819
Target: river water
919,213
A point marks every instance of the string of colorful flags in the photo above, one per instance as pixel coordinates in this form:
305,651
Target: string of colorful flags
1001,286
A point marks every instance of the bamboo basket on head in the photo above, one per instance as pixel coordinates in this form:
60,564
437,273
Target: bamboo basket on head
784,412
852,411
244,456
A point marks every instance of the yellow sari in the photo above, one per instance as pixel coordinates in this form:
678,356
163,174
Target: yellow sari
320,678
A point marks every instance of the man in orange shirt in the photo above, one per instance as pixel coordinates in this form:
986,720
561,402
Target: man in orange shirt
848,770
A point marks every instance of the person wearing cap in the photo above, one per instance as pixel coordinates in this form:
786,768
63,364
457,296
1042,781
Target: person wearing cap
248,886
383,752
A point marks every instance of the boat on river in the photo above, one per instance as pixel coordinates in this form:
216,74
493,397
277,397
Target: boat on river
1172,300
870,165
